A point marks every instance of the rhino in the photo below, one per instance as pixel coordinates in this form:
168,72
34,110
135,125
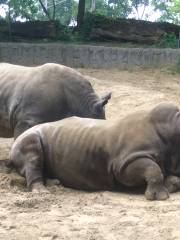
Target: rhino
46,93
141,149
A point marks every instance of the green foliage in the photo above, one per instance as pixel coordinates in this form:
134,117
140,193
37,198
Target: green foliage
110,8
25,9
174,11
89,20
64,33
137,4
169,9
3,1
176,68
65,11
168,41
19,8
96,20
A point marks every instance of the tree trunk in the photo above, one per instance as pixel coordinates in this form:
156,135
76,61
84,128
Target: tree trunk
45,10
9,22
54,10
93,5
81,11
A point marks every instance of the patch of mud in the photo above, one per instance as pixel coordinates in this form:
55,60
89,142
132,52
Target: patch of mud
69,214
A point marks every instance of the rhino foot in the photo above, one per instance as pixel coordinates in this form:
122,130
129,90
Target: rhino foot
38,187
172,183
52,182
156,193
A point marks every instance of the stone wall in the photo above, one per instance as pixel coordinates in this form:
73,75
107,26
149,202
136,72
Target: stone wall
87,56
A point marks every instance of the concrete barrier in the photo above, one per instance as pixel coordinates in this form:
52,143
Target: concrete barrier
87,56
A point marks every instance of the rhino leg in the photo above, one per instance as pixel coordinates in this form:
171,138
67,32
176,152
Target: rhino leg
144,170
27,157
172,183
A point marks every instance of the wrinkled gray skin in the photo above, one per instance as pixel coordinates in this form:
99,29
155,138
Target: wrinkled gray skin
33,95
88,154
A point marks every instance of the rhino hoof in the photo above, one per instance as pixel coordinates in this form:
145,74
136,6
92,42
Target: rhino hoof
156,193
39,188
52,182
172,183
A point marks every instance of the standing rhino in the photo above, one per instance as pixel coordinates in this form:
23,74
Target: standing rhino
33,95
90,154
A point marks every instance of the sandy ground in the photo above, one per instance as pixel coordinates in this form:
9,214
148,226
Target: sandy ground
69,214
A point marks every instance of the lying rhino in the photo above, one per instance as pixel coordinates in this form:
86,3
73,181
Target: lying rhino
89,154
33,95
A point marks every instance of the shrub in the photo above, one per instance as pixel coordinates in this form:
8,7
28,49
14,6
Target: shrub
63,33
168,41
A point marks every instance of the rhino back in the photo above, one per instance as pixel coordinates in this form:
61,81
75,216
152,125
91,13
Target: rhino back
75,152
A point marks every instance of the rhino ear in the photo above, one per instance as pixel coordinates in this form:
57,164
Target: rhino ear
103,101
105,98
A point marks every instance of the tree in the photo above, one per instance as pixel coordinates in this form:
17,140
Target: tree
111,8
118,8
137,4
93,5
45,10
170,10
20,8
81,12
68,11
174,11
63,10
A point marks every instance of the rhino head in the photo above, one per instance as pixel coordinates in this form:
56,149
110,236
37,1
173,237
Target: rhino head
91,106
166,117
82,100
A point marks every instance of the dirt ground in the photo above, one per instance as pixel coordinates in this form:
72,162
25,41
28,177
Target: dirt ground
77,215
